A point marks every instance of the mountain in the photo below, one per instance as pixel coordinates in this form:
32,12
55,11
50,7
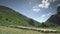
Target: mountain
55,19
9,16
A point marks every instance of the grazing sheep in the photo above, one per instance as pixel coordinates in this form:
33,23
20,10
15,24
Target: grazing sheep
35,29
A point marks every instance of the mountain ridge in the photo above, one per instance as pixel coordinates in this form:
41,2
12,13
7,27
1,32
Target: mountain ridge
55,18
9,16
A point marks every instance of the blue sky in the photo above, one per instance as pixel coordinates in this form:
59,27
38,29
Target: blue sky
39,10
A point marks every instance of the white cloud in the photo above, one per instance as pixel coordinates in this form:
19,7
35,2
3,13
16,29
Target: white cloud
41,5
45,4
43,15
36,10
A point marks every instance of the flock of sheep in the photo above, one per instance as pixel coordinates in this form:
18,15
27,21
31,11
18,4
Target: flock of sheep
36,29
